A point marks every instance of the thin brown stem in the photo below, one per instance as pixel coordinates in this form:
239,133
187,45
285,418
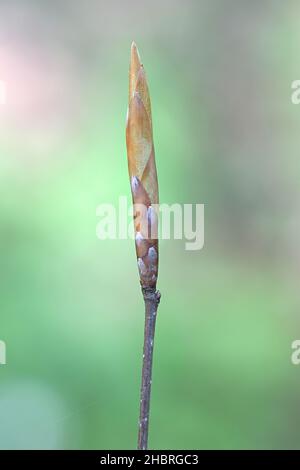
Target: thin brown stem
151,299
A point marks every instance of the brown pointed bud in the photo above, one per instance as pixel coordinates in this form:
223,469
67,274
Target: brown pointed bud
135,65
142,171
139,194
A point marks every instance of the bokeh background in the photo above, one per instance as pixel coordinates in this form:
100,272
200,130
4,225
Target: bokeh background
227,135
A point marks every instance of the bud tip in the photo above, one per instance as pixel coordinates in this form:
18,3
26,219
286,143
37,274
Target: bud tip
135,52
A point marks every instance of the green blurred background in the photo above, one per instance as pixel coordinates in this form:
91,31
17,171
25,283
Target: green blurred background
226,135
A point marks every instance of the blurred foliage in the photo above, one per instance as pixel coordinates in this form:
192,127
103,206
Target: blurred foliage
226,135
